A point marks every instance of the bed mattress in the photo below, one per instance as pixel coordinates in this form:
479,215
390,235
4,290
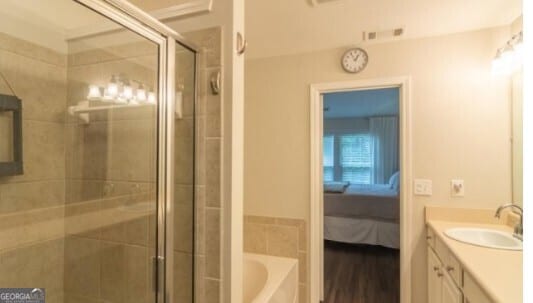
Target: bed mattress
369,201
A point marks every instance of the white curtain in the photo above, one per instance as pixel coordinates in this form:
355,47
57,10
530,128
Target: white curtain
384,130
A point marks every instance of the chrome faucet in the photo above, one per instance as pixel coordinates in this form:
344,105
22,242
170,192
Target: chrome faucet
519,228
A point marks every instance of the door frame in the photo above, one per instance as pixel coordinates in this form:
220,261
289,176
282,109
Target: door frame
316,221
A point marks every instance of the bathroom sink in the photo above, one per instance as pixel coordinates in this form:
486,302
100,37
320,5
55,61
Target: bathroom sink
485,237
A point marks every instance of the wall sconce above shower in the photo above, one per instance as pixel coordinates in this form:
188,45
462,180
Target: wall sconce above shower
508,58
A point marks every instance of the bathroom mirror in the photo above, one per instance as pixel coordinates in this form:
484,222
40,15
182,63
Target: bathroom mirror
10,136
517,136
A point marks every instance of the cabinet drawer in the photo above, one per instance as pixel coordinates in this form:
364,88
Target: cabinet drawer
430,237
450,263
473,292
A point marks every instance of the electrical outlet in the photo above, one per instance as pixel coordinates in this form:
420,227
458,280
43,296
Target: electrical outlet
423,187
458,188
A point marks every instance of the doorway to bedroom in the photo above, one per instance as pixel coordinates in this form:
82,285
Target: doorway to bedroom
361,201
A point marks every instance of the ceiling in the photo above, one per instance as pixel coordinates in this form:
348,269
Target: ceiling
280,27
61,15
361,103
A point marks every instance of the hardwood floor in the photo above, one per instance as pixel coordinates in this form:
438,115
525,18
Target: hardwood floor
355,273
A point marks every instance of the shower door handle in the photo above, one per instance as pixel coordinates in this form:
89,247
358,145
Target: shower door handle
157,273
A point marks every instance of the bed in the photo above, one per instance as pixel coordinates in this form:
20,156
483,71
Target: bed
366,214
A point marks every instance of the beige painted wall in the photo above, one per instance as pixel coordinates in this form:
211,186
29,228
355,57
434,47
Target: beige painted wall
460,118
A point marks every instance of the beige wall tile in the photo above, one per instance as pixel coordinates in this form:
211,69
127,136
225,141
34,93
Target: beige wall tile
40,86
259,219
302,293
31,195
183,228
82,266
213,164
184,158
255,238
40,264
302,267
183,194
183,267
212,291
212,246
200,152
137,286
28,49
200,220
209,40
282,241
113,271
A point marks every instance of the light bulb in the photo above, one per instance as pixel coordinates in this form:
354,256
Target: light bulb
151,98
518,55
94,92
127,92
107,97
112,87
141,94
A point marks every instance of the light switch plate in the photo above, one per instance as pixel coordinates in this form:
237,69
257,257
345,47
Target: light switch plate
458,188
423,187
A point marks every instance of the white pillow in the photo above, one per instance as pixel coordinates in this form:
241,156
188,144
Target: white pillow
394,181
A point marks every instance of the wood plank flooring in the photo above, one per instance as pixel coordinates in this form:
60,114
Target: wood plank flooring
355,273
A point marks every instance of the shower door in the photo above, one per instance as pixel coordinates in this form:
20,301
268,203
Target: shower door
90,217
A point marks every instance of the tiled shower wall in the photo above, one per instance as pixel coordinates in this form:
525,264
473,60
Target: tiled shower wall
280,237
62,222
31,205
110,166
209,134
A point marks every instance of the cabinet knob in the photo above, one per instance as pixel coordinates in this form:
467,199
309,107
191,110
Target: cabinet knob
435,268
449,268
429,237
439,274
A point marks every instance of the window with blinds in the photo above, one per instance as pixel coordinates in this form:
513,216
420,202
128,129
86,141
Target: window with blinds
329,158
348,158
356,158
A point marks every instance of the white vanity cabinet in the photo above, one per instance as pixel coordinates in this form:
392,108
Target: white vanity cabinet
441,287
447,281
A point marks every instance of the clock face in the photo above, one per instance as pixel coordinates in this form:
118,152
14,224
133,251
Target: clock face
354,60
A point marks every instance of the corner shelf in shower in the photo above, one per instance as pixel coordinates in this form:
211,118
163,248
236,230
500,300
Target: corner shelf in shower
83,109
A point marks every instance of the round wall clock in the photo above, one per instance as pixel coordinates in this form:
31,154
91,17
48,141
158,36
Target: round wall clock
354,60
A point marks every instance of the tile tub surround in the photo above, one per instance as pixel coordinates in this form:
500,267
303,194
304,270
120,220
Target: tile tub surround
36,198
280,237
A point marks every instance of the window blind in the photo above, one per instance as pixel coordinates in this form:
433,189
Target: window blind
356,158
329,158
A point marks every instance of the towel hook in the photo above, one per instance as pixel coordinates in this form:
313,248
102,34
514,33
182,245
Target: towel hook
215,83
241,44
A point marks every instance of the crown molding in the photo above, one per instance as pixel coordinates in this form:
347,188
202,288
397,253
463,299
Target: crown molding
179,11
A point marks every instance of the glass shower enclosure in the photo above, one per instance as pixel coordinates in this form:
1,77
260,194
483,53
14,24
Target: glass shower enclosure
103,210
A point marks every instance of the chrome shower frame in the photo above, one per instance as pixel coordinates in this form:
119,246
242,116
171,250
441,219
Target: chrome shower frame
140,22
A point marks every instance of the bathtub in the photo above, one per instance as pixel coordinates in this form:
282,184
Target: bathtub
269,279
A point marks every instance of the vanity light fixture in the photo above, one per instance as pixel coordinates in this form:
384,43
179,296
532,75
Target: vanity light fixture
508,58
94,93
119,90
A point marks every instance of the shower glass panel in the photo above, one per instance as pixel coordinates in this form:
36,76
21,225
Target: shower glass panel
184,193
81,222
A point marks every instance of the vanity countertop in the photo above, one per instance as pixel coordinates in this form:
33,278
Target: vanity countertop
498,272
